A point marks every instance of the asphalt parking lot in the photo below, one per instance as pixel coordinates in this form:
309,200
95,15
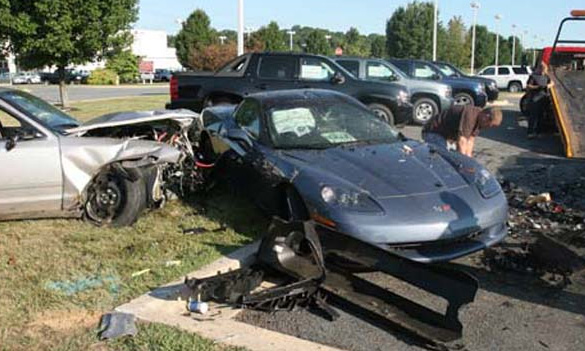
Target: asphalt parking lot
511,311
86,92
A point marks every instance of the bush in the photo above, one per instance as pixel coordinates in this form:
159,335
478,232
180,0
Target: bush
102,77
125,64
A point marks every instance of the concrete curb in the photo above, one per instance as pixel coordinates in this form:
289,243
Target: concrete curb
162,305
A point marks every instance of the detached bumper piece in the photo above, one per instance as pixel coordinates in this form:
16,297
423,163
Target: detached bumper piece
309,256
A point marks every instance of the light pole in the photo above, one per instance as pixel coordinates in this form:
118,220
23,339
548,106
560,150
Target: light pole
524,33
435,30
498,18
240,27
291,33
513,44
475,8
534,50
222,39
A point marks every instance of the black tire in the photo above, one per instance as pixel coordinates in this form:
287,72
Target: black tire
383,112
515,87
524,105
115,199
424,110
464,99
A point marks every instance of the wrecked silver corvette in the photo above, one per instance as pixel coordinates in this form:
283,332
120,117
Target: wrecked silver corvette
107,170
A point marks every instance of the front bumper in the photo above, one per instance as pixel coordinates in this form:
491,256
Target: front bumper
445,103
481,100
403,113
492,94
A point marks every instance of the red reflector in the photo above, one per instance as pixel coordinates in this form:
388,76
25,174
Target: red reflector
578,13
174,88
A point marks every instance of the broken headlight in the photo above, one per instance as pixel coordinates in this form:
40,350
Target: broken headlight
403,97
349,200
488,185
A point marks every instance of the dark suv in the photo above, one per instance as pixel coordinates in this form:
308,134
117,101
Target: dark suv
491,88
465,91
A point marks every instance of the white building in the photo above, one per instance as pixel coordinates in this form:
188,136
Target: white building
152,45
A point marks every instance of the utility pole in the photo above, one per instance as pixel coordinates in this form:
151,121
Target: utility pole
475,7
435,30
513,44
240,27
291,33
498,18
534,50
222,39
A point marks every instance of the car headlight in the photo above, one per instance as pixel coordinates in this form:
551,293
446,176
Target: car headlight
403,97
487,185
492,85
349,200
480,89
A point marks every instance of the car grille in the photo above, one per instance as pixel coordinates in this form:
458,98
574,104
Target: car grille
437,243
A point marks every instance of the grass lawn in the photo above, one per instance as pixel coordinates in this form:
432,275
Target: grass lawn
44,262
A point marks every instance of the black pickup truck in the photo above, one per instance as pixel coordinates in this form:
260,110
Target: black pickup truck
259,72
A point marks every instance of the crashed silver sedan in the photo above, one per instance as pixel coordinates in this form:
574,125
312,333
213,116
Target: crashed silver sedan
107,171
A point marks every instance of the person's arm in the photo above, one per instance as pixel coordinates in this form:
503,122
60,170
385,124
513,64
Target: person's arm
465,145
470,145
530,85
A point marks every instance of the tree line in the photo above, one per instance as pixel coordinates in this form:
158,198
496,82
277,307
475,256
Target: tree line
408,35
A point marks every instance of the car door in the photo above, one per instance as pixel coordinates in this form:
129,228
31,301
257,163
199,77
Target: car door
425,71
503,77
31,182
276,72
378,71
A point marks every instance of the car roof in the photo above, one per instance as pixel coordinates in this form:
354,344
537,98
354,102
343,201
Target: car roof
272,98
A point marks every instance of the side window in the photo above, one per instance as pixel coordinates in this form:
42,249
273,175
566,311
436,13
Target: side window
9,126
352,66
277,67
376,70
248,117
423,71
403,66
313,68
488,72
520,70
503,71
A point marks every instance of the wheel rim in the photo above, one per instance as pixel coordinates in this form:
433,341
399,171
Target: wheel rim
424,112
462,100
514,88
381,114
105,199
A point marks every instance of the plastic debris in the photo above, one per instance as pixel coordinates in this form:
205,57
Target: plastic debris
73,287
537,199
139,273
173,263
116,324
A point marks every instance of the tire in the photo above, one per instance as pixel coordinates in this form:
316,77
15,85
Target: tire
424,110
524,105
383,112
115,200
515,87
464,99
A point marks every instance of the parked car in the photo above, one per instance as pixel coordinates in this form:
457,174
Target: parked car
465,92
322,155
162,75
513,78
71,77
491,87
26,78
5,77
53,166
258,72
428,98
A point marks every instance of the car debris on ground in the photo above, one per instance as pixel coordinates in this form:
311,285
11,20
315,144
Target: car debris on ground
117,324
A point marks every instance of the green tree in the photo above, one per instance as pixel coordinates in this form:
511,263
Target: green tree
65,32
453,46
377,46
195,35
317,43
485,46
409,31
356,44
125,64
271,37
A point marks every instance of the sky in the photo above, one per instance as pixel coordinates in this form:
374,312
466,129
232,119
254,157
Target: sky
537,17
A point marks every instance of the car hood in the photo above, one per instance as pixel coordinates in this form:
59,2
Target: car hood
184,117
384,171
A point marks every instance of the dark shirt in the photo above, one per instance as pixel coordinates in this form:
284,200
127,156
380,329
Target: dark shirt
540,80
455,122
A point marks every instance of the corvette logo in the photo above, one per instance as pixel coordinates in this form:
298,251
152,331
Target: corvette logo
442,208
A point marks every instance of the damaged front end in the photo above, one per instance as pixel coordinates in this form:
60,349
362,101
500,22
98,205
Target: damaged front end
309,256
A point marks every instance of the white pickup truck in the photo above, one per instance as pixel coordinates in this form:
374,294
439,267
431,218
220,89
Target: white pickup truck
513,78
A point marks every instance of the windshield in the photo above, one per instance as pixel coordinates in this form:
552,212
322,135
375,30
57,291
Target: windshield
307,124
43,112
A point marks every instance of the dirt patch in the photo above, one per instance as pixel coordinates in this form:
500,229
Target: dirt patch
66,321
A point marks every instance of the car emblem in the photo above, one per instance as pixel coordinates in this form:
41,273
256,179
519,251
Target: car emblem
442,208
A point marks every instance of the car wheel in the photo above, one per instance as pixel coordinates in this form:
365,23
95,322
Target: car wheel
515,87
424,110
464,99
383,112
115,200
29,81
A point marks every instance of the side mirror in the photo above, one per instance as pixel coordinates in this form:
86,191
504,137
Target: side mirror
11,142
436,77
240,136
338,78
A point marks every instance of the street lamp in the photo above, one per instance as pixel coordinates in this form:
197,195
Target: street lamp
291,33
475,7
498,18
513,44
240,27
435,30
222,38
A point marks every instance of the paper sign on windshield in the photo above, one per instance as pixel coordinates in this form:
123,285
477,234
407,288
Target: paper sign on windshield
313,72
298,120
378,71
338,137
